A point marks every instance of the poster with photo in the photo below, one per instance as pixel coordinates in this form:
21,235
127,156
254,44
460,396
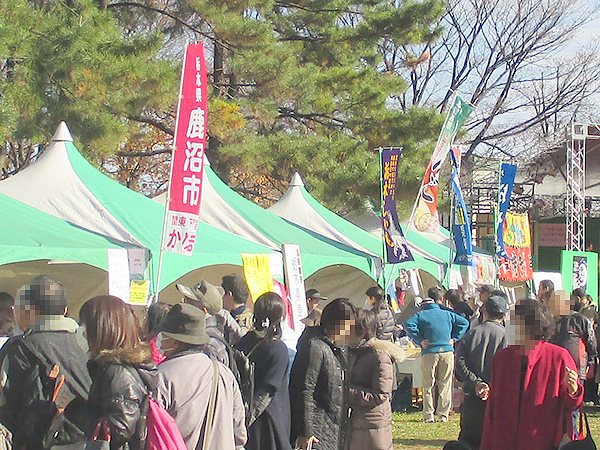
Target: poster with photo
580,270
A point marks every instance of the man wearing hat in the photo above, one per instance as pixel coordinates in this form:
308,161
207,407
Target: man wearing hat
312,303
474,355
49,349
187,384
209,298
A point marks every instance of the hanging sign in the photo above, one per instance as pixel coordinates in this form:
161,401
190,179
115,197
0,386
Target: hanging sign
507,180
294,280
396,244
257,271
425,216
517,265
461,226
185,183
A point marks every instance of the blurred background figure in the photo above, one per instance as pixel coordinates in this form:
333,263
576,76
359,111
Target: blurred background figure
312,303
386,324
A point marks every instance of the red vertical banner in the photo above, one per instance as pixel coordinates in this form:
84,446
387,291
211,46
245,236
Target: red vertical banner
185,185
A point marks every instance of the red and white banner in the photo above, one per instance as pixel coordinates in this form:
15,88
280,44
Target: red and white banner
185,185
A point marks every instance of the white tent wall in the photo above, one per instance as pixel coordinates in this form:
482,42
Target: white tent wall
81,281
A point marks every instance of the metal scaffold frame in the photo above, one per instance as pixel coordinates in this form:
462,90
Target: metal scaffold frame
575,201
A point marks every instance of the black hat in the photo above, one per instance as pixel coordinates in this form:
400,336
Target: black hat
496,305
185,323
314,294
487,288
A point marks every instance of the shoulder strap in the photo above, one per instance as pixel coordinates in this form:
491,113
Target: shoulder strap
210,412
254,348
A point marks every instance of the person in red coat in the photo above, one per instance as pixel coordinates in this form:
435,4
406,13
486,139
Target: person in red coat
534,386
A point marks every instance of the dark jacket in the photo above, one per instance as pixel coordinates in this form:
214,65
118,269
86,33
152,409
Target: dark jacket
27,360
371,379
475,353
385,323
576,333
121,381
323,403
297,376
271,429
463,309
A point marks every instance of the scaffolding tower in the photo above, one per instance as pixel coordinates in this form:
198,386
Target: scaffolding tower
575,201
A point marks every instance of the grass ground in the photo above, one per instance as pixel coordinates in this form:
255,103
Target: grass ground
411,433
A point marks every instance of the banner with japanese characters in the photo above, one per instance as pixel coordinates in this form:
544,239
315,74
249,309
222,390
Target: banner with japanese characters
185,185
257,272
294,280
461,225
395,243
507,180
517,243
425,217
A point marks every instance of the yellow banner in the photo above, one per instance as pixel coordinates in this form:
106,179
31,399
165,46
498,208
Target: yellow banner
257,271
516,230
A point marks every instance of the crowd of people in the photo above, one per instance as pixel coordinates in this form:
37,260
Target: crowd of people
223,373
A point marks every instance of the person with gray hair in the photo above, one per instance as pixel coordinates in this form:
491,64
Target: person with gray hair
474,355
48,349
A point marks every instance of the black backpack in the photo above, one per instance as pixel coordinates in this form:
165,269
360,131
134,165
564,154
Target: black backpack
243,370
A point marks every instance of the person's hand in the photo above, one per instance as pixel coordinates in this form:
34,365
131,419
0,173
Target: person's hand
424,343
451,341
305,443
571,379
482,390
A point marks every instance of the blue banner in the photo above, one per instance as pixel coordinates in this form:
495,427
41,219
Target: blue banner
395,243
507,180
461,226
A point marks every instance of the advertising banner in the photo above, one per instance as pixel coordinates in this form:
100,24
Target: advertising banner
395,243
461,225
257,272
517,265
507,180
425,217
294,280
580,270
185,183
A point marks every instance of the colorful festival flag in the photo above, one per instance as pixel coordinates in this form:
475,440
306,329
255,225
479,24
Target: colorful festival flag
185,182
461,225
507,180
425,216
395,243
517,265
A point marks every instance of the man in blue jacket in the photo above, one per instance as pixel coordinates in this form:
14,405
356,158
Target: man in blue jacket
435,330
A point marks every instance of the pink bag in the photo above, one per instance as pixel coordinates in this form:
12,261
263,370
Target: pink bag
163,433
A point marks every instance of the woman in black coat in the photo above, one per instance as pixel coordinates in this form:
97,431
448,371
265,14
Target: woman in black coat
121,369
269,416
323,413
